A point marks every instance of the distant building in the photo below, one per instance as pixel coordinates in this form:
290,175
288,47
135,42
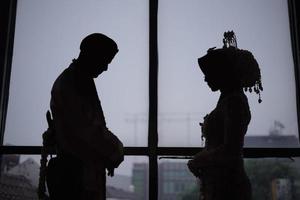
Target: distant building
8,162
269,141
23,178
120,181
175,180
296,188
113,193
16,187
29,169
281,189
140,180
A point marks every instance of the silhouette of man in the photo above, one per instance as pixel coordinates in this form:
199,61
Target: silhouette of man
85,146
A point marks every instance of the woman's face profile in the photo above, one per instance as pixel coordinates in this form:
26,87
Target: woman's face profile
212,82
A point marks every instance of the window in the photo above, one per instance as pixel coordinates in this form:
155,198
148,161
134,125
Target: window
187,30
53,30
153,95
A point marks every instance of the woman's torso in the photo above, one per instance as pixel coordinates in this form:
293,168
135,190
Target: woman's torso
231,114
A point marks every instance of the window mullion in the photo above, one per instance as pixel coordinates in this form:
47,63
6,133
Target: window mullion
153,79
8,18
295,42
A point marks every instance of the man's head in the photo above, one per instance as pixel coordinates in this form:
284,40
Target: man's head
96,52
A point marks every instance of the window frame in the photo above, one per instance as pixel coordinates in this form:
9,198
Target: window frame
8,9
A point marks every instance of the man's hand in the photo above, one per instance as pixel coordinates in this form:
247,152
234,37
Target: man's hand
117,156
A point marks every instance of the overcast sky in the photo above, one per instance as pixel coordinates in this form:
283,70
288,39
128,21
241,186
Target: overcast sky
47,38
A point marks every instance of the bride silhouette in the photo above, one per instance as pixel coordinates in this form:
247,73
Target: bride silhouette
220,165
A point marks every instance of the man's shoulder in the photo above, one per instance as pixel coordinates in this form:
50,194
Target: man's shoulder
64,81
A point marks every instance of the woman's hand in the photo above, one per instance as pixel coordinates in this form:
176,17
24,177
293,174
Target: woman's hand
110,171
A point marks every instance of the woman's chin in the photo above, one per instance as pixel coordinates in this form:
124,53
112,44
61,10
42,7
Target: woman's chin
214,89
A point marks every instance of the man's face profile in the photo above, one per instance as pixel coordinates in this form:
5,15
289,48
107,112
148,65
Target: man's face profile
99,63
96,52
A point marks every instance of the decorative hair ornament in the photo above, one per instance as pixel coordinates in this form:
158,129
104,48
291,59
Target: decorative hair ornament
229,40
244,66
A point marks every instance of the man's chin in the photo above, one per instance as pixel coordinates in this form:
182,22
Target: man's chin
96,75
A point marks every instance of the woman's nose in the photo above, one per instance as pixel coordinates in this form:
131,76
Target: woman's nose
105,67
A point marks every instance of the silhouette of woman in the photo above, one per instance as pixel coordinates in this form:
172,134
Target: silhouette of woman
220,165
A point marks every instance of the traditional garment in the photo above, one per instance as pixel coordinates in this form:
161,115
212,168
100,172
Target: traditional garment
220,164
81,134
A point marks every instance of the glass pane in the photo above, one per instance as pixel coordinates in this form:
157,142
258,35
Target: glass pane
130,180
20,178
271,179
175,181
187,30
274,178
47,38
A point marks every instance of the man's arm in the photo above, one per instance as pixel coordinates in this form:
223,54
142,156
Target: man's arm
77,134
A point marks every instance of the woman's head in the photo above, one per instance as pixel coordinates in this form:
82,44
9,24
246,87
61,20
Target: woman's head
218,69
230,67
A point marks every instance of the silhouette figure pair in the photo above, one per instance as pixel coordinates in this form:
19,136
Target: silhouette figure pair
86,148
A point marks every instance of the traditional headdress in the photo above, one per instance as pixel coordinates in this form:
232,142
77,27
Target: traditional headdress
241,64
